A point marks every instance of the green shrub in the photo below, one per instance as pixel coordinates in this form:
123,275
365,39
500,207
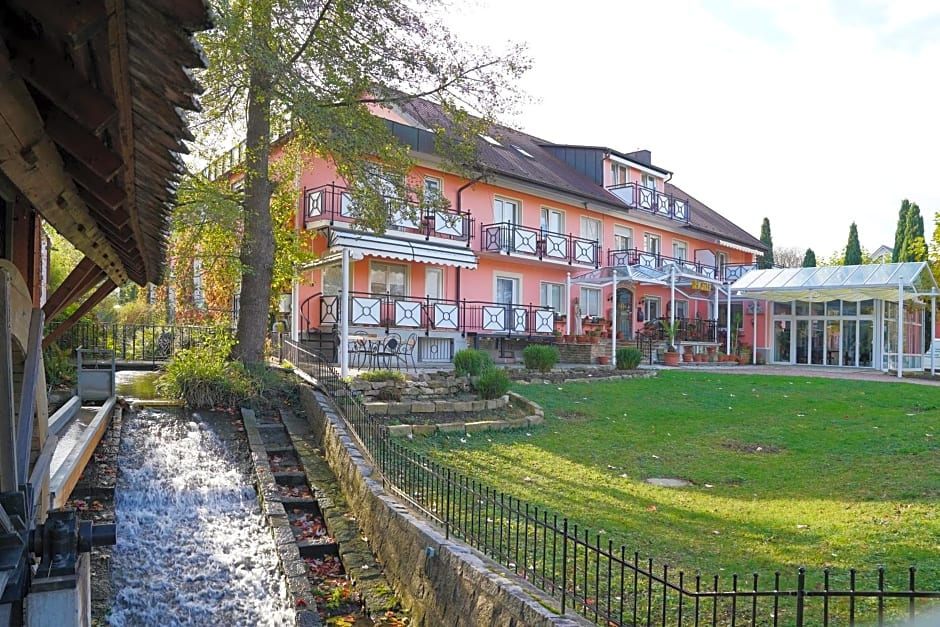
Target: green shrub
469,361
493,383
382,375
205,376
628,358
540,357
60,371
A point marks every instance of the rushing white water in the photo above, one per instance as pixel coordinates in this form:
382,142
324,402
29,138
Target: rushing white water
192,548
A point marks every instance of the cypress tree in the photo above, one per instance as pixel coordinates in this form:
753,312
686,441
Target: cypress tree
809,259
899,242
853,250
767,260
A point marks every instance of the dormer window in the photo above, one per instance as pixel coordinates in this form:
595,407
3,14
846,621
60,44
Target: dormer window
619,175
649,181
523,152
489,140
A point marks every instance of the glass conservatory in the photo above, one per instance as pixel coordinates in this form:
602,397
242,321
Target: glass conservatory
857,316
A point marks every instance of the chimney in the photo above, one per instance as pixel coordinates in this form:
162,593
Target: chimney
641,156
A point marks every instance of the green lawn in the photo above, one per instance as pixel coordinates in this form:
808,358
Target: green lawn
786,471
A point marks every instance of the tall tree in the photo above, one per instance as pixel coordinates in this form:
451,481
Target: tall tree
899,243
809,259
322,66
853,250
766,260
915,246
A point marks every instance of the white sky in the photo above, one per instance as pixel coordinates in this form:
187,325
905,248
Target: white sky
812,113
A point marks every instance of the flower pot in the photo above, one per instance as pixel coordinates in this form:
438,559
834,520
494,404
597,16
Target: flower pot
671,358
580,339
687,357
603,359
699,358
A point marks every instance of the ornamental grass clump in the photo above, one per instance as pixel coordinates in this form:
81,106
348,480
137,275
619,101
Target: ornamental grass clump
205,376
628,358
540,357
472,362
493,383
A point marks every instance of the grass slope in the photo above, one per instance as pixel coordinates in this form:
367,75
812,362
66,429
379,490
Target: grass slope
786,471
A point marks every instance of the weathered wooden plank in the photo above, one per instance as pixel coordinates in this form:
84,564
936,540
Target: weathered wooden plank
80,279
8,477
89,303
26,417
192,15
40,473
108,193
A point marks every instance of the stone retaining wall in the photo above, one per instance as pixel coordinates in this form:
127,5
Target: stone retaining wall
442,581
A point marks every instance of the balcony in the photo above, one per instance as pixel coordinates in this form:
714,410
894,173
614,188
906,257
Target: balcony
413,313
513,239
332,203
652,201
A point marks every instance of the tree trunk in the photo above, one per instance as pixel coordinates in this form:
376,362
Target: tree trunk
257,253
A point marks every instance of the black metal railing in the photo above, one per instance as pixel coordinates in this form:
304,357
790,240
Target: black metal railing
333,203
652,201
514,239
370,309
132,342
605,584
688,330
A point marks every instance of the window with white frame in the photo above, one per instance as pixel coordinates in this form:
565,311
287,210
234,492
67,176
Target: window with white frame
721,261
652,243
434,283
506,210
680,250
619,175
653,307
649,181
388,277
552,295
552,220
682,309
591,229
623,237
331,279
433,188
590,301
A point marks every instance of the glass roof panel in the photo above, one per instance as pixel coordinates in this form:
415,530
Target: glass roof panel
782,277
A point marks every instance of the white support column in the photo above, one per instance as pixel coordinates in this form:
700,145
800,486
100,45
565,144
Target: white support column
728,323
568,311
716,314
672,296
900,328
343,307
754,339
295,309
933,329
613,323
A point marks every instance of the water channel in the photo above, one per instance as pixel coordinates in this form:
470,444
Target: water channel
192,547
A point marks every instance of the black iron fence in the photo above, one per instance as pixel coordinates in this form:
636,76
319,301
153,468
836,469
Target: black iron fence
132,342
605,584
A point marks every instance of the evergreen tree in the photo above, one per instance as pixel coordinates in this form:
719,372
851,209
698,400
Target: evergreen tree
915,246
322,66
900,243
853,250
766,260
809,259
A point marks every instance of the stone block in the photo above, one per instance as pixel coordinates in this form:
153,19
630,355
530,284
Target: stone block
535,420
376,408
399,409
423,407
478,405
518,423
477,426
425,430
452,427
463,406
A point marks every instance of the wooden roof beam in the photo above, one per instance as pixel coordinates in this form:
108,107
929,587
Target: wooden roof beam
86,147
79,280
108,193
76,20
100,294
53,76
33,163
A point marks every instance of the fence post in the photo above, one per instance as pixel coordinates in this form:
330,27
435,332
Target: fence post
447,508
800,595
564,564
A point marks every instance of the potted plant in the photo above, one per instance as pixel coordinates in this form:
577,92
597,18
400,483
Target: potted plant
671,356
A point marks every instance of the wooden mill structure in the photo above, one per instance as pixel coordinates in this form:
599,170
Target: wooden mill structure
92,102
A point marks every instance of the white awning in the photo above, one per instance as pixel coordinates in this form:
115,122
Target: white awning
421,251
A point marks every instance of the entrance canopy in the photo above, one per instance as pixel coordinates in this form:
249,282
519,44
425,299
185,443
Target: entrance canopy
644,275
881,281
